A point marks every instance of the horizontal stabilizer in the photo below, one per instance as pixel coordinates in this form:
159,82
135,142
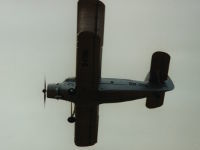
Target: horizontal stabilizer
155,100
159,67
158,75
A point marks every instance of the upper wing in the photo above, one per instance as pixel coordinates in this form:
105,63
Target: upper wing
90,30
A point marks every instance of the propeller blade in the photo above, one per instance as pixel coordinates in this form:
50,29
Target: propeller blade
44,91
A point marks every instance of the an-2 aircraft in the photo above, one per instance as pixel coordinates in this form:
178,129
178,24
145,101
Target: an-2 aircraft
88,90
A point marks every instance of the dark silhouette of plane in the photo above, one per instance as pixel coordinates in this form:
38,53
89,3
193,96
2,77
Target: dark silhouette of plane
88,90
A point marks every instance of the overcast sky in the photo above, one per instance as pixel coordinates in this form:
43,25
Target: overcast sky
39,37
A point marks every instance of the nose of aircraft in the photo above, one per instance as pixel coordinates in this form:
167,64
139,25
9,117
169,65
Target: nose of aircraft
53,91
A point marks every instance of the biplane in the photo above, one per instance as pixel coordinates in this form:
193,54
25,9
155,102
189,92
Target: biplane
88,90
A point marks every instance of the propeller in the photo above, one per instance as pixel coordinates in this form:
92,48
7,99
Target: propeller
45,91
